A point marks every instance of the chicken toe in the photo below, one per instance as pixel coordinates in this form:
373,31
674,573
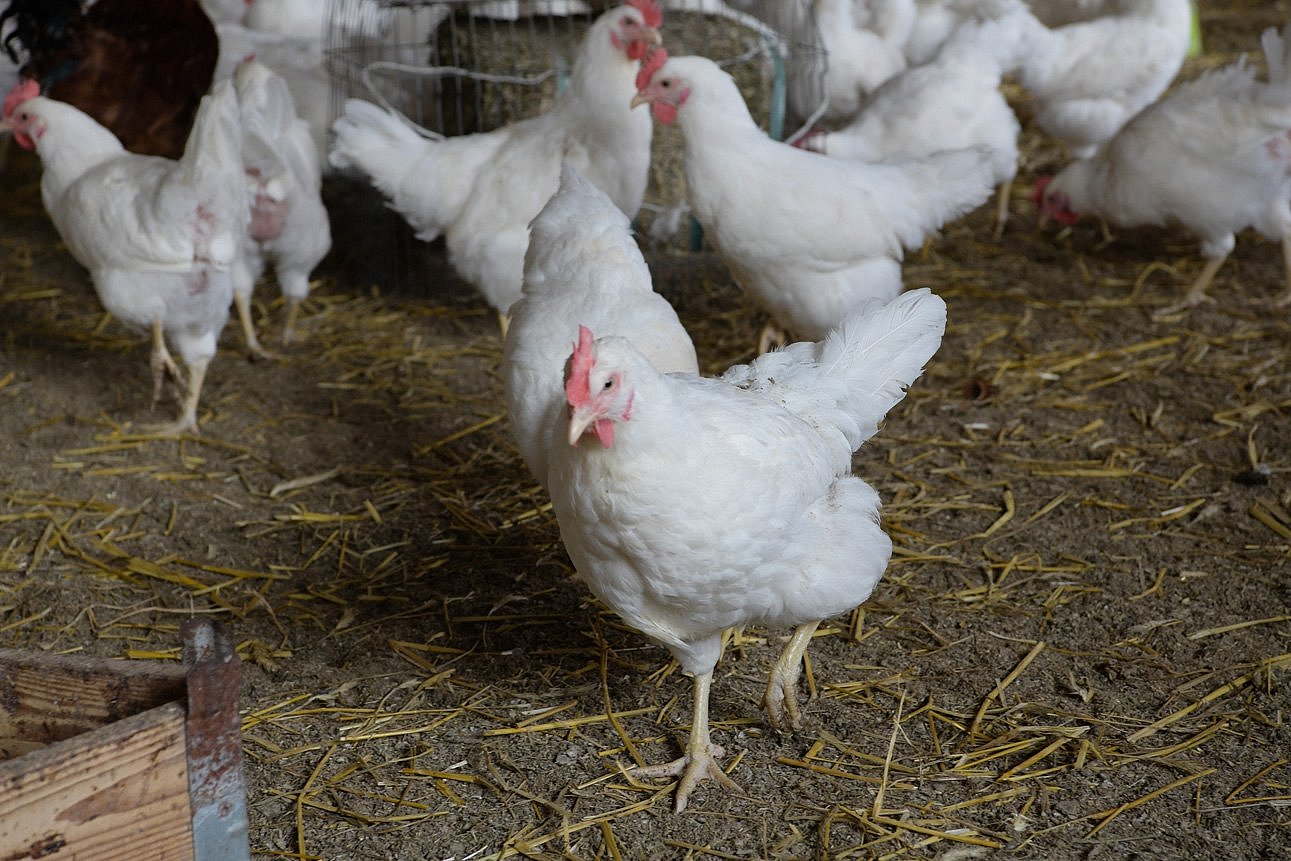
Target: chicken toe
781,699
1196,294
700,760
187,421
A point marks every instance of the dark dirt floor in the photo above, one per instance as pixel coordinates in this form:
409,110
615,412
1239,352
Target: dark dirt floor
1080,650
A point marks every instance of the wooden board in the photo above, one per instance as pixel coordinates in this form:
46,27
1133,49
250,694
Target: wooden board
116,793
48,698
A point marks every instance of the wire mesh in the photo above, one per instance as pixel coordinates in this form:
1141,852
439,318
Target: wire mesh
454,67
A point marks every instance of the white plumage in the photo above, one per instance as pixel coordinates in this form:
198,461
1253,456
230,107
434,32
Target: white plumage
288,224
481,191
810,238
863,41
692,505
953,102
582,268
1213,156
159,237
1091,76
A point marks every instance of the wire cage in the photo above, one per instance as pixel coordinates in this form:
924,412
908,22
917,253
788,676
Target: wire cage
454,67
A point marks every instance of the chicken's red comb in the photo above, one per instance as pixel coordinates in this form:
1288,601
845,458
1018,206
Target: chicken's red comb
578,385
650,10
652,62
22,91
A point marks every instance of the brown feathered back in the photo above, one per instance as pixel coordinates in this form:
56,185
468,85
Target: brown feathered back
139,67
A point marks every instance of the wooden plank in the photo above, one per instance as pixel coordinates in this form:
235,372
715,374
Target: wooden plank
47,698
216,789
117,793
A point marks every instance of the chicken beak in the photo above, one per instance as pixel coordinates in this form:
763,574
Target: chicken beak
580,419
653,36
641,99
6,126
1042,220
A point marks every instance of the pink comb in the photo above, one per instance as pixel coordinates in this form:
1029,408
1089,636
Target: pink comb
22,91
652,62
650,10
578,386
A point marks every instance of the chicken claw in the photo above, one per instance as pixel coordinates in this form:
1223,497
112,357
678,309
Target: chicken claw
781,699
187,421
696,765
700,760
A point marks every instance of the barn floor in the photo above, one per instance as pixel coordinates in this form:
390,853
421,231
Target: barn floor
1080,650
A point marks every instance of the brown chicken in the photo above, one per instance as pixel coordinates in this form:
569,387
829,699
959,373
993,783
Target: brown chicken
138,67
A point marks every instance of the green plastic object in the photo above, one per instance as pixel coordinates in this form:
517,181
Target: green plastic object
1194,40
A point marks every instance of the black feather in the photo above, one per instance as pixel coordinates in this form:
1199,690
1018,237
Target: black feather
39,27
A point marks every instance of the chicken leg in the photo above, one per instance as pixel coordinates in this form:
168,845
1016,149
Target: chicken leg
780,700
187,421
700,760
1002,207
289,327
243,303
161,363
1285,299
1197,292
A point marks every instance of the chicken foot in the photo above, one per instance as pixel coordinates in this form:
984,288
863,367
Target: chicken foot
243,303
780,699
187,421
161,363
700,760
1197,292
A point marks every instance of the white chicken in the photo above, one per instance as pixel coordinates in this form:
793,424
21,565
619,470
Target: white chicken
297,59
482,190
288,223
693,505
934,21
582,266
1213,156
1089,77
863,44
953,102
809,237
159,237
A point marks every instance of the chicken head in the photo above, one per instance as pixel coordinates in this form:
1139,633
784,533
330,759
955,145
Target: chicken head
663,92
25,130
596,393
1052,203
638,29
